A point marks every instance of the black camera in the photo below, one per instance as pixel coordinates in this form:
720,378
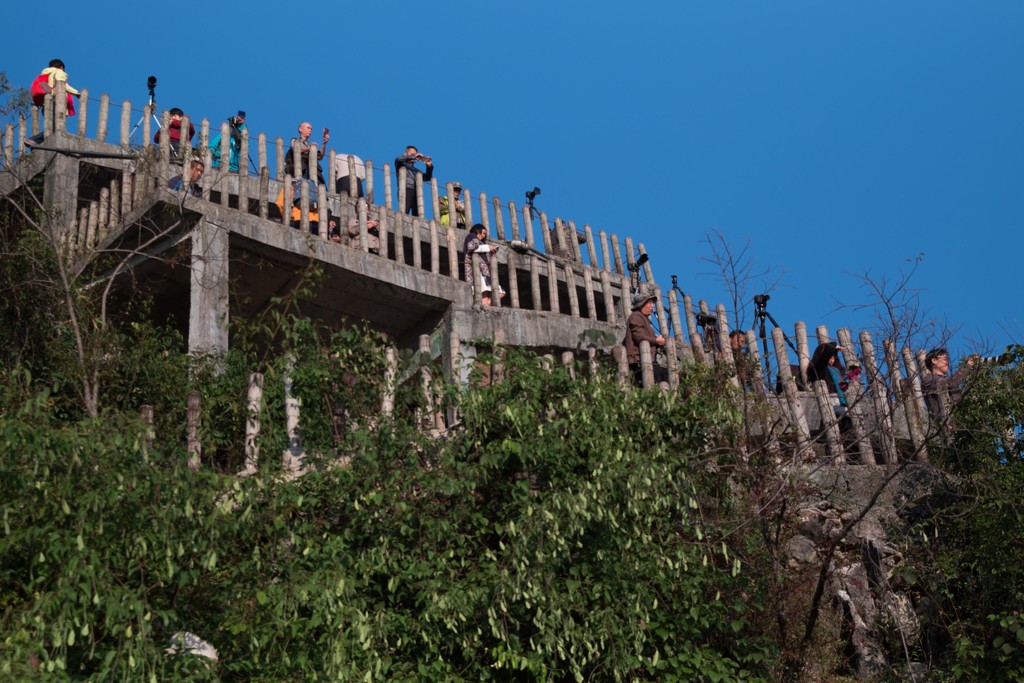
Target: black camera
705,320
761,300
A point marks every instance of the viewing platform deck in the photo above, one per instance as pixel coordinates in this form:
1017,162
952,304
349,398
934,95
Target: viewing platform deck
226,255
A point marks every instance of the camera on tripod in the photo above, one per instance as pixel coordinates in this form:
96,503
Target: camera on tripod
635,268
761,300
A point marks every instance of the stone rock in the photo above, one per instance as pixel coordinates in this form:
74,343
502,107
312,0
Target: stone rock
801,550
186,643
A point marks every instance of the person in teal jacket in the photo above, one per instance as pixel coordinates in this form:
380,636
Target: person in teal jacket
236,125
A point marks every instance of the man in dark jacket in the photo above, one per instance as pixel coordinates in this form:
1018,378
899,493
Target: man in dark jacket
408,162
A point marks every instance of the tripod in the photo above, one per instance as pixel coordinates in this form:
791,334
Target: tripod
760,314
151,84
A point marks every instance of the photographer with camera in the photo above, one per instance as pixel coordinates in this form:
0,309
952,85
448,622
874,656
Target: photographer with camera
408,162
305,131
236,124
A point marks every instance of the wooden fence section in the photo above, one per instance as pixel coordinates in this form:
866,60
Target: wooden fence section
874,430
506,221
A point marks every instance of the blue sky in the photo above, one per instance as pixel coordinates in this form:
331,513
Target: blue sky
838,138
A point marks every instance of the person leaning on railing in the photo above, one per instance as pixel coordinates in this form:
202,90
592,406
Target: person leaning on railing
640,329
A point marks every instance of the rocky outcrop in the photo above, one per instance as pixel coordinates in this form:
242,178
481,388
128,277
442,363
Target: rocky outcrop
874,608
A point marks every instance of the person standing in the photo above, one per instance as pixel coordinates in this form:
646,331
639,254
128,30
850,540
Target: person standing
408,162
343,175
305,131
640,329
236,124
174,130
460,208
935,380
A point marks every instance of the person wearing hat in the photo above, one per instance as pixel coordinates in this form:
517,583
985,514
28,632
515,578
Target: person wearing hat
174,130
236,125
460,208
640,329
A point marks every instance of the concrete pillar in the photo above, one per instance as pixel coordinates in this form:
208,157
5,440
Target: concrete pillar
208,306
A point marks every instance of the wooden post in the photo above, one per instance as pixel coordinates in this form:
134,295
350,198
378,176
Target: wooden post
513,278
673,309
83,111
513,220
484,216
725,355
261,153
279,154
829,424
553,285
104,206
619,270
646,364
559,243
857,407
364,230
148,433
882,408
823,336
383,221
469,206
321,207
453,254
569,363
528,227
252,421
630,259
914,405
195,446
293,455
421,209
606,261
402,191
545,232
126,193
303,203
147,112
538,303
243,174
264,192
802,351
387,407
126,123
114,218
399,231
672,362
369,181
796,408
609,297
570,285
416,233
426,377
696,342
499,220
588,291
619,354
